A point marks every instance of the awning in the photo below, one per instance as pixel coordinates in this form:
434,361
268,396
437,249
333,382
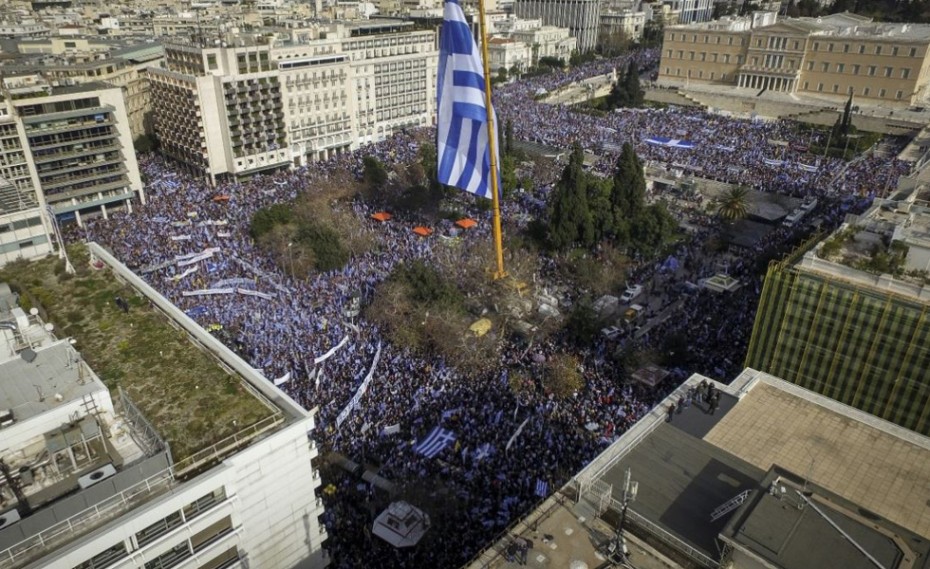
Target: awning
423,231
466,223
381,216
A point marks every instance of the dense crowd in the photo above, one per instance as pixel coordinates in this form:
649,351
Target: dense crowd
476,486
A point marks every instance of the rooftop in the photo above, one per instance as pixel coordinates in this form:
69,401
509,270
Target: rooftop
190,399
776,471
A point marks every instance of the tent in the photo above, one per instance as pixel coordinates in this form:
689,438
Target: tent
481,327
422,231
466,223
381,216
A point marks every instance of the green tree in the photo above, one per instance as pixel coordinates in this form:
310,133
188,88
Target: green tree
629,186
733,204
652,229
634,89
374,173
570,220
266,218
508,137
599,191
328,251
551,62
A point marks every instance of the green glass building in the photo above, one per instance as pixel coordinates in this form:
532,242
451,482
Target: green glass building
860,339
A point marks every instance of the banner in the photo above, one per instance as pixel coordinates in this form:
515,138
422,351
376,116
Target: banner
237,282
772,162
360,391
334,349
283,379
177,278
807,168
180,237
201,257
516,434
248,292
392,430
208,291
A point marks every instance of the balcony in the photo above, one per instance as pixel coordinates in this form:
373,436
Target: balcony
80,139
112,146
78,178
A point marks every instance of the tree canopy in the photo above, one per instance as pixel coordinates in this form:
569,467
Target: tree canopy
627,91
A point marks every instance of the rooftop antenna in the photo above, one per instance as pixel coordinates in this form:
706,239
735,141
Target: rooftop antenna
845,535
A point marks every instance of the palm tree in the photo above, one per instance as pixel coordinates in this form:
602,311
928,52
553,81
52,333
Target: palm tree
733,204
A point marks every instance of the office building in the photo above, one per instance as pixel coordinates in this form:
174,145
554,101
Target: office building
143,475
581,17
776,476
78,146
848,318
830,58
257,104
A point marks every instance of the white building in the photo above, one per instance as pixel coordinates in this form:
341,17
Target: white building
579,16
305,95
78,146
93,485
508,54
626,24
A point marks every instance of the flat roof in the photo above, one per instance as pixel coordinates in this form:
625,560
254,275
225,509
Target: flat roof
191,399
32,388
858,474
866,460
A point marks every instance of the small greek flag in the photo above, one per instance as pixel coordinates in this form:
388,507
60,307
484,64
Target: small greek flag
435,442
463,144
542,488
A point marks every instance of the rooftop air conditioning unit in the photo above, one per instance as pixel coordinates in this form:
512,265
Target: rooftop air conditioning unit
96,476
8,518
6,418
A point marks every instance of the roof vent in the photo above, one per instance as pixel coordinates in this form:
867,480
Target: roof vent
6,418
96,476
28,355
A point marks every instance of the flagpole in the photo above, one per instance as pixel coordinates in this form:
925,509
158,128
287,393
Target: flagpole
492,146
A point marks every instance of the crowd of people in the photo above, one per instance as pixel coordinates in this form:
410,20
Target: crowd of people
196,250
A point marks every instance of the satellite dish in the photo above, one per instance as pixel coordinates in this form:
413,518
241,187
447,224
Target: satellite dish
34,311
49,326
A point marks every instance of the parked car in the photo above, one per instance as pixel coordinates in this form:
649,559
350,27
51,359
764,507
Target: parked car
631,293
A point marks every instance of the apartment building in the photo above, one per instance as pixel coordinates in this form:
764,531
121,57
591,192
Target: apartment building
831,57
94,478
77,146
581,17
304,95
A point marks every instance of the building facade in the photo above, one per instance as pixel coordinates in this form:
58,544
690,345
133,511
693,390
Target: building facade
78,144
306,95
831,57
831,323
581,17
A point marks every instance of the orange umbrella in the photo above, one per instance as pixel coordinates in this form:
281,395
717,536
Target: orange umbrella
381,216
466,223
423,231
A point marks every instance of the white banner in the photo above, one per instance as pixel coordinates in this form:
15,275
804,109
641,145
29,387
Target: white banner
360,391
208,291
516,434
237,282
248,292
180,238
177,278
333,350
392,430
196,259
283,379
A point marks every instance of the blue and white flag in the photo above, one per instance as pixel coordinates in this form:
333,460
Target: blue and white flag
463,143
435,442
673,142
542,488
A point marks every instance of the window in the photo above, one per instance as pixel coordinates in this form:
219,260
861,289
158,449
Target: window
898,95
211,61
905,72
816,46
836,88
878,50
839,67
726,58
820,87
669,54
888,71
171,557
862,49
795,45
849,90
894,50
810,65
855,69
871,71
681,54
211,533
825,66
806,85
829,47
755,61
913,52
204,503
158,529
703,57
691,55
105,558
845,48
865,92
881,93
730,41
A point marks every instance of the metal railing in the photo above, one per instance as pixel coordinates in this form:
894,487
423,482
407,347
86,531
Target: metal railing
84,521
225,446
669,539
150,439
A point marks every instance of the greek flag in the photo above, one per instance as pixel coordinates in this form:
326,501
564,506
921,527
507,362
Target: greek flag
463,144
542,488
435,442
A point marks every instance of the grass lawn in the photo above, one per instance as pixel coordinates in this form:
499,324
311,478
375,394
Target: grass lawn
190,400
